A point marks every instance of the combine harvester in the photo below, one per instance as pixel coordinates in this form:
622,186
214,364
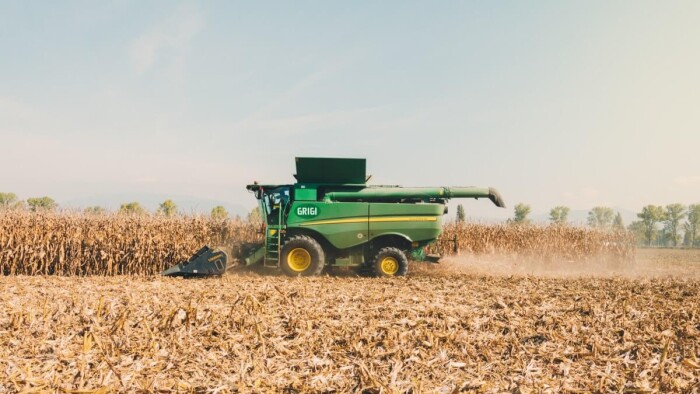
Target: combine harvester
331,218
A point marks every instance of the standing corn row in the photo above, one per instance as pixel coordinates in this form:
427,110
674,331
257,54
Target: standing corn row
553,242
76,244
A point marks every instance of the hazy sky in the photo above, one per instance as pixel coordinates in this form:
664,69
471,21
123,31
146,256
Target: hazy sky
576,103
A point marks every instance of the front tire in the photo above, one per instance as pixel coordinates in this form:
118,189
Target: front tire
390,262
302,256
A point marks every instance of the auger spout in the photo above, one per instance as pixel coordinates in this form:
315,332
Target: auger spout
397,194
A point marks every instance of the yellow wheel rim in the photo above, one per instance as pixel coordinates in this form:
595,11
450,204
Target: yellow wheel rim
389,265
299,259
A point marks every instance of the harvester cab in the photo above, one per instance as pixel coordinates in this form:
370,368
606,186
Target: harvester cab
331,217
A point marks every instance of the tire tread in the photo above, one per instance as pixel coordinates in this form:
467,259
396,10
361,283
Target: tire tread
396,252
310,243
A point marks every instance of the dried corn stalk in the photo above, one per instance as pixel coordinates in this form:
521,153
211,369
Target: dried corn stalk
76,244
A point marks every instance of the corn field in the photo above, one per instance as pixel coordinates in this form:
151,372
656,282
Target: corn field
554,242
445,330
78,244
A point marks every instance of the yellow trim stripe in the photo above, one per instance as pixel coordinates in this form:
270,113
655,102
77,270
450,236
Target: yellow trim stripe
374,220
405,219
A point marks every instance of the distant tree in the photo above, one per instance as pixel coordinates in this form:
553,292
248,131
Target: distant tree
131,208
662,237
686,236
639,230
618,224
600,217
650,215
520,214
559,215
219,212
461,217
7,200
692,225
255,216
672,219
167,208
94,210
41,204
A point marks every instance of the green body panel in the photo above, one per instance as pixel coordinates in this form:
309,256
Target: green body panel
255,257
344,225
415,222
305,193
347,224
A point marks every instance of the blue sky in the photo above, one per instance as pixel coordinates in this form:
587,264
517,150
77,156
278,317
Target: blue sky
554,103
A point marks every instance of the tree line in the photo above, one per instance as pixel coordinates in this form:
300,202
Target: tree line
662,226
672,225
45,203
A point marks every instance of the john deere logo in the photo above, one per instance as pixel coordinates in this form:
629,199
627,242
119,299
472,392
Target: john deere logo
307,211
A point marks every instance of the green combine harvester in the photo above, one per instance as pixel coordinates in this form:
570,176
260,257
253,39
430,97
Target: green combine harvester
330,217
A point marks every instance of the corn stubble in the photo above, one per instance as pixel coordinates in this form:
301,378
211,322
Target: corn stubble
75,244
445,332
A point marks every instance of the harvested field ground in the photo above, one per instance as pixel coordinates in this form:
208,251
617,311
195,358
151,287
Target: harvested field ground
439,330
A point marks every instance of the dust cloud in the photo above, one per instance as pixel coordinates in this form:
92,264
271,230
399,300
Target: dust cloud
646,263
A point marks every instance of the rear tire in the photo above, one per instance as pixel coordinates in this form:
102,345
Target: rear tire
302,256
390,262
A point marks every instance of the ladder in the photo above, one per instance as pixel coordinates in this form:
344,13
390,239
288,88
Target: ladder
272,246
273,238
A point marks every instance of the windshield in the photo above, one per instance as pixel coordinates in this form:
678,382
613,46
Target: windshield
275,201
